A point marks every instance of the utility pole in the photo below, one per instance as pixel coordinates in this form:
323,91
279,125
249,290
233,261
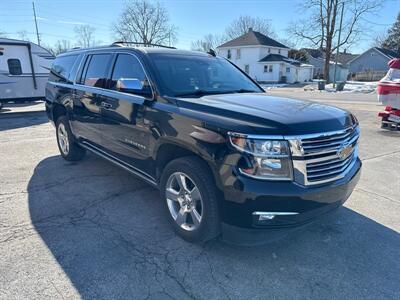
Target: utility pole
338,43
37,31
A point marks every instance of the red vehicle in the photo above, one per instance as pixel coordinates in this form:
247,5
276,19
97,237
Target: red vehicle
389,95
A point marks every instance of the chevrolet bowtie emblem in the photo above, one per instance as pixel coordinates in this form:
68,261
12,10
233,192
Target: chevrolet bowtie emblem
345,151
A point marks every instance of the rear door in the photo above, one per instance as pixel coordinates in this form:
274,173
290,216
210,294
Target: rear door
87,119
126,134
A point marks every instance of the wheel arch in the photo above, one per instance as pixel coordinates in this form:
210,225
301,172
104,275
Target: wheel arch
58,111
170,150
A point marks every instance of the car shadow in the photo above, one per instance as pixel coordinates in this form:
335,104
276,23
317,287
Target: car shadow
389,133
22,119
107,231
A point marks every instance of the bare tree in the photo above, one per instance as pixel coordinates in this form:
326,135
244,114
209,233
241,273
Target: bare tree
299,55
23,35
321,28
60,46
242,24
379,39
209,41
145,22
85,35
3,34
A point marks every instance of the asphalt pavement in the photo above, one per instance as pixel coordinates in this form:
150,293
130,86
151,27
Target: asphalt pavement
90,230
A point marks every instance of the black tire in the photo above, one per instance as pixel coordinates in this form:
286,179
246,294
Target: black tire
74,152
198,171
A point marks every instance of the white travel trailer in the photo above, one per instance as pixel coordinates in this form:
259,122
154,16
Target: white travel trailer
24,68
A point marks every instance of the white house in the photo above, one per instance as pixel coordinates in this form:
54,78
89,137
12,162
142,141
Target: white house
264,59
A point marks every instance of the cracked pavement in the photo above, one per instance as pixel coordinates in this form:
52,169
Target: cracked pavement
90,230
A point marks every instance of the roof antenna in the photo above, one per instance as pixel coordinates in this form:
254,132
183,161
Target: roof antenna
212,52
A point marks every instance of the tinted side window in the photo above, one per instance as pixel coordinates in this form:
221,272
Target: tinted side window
61,68
14,66
127,66
96,73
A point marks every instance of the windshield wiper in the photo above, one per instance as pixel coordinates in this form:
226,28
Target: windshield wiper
204,92
198,93
242,91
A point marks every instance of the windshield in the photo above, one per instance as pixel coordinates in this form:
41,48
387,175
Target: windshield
197,76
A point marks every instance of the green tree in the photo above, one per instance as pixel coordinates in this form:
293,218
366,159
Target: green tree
392,40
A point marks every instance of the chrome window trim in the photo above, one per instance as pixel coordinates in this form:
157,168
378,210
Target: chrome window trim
84,58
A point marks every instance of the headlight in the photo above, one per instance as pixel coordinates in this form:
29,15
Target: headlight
267,159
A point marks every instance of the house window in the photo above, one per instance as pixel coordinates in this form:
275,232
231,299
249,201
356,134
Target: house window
229,56
237,53
247,69
14,66
287,69
268,68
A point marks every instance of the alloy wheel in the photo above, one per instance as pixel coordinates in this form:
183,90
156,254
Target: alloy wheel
63,139
184,201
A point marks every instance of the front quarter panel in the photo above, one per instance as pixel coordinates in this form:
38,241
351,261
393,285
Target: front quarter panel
169,125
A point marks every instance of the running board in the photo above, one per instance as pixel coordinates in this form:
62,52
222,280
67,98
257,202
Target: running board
119,163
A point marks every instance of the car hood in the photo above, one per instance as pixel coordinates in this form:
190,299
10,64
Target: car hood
263,114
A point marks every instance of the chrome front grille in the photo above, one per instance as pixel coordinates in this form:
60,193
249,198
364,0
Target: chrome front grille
325,157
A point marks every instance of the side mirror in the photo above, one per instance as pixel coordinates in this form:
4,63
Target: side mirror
134,86
129,85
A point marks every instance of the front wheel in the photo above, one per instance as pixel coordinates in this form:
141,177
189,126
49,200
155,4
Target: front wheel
67,145
190,197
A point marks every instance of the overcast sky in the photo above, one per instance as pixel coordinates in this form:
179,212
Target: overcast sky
194,18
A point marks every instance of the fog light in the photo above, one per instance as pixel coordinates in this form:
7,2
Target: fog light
266,217
270,215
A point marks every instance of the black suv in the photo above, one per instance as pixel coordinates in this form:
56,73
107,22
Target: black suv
202,131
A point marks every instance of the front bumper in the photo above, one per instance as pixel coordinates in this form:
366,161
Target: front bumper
243,196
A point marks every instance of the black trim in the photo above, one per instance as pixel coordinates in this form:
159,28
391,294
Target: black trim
30,99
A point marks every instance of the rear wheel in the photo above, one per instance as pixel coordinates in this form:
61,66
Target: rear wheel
69,148
190,199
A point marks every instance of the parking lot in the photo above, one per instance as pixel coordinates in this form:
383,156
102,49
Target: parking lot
91,230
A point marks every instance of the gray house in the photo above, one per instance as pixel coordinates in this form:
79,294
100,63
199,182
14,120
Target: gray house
372,64
316,57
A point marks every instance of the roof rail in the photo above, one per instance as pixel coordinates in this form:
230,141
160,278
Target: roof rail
122,43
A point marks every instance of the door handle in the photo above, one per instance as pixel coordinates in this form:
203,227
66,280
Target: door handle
105,104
